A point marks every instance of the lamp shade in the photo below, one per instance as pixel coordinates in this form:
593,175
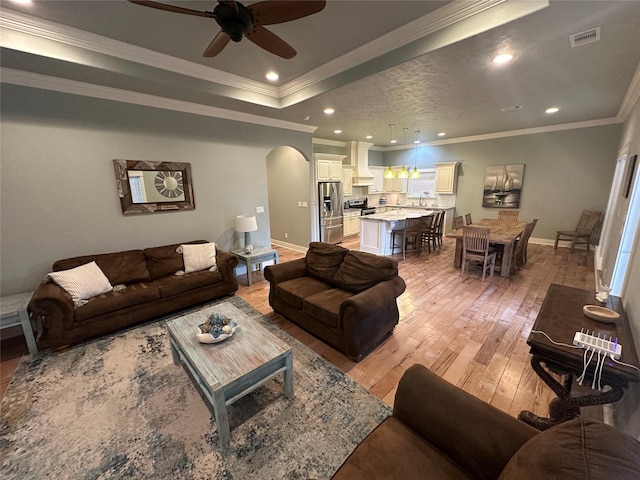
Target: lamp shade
246,223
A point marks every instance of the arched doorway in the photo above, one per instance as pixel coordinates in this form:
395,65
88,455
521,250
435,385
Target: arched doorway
290,205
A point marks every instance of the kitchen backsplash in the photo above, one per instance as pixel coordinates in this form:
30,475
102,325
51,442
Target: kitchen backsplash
401,198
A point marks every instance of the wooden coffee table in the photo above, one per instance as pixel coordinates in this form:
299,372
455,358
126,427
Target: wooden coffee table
227,371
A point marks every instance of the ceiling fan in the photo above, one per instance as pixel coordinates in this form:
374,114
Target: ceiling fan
237,21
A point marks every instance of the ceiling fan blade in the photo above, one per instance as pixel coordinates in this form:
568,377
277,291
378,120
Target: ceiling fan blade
270,42
171,8
270,12
217,44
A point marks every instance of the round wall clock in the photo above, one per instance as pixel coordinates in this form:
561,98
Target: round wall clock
169,184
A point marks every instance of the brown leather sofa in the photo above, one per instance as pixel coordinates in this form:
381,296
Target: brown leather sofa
150,290
438,431
345,298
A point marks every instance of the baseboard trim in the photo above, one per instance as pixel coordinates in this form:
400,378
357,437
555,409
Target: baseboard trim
290,246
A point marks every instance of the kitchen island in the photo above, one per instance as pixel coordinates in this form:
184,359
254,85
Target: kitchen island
375,230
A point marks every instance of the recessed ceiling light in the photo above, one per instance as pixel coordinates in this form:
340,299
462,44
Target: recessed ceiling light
337,132
441,134
552,110
272,76
393,141
22,2
502,58
329,111
368,137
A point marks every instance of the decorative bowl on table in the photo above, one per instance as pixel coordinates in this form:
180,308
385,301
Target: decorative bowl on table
600,314
216,329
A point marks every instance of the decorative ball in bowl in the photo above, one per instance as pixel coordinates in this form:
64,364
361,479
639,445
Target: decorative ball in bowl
216,329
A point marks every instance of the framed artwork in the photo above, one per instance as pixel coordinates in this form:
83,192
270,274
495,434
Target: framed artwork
152,187
502,186
628,179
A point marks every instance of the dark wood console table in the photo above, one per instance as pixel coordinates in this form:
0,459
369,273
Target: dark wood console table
560,317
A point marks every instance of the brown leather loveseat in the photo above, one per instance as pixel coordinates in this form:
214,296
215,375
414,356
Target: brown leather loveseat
438,431
147,288
345,298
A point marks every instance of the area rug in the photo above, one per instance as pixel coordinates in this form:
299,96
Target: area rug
118,408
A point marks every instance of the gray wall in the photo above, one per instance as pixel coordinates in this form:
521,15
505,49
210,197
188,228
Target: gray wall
289,222
627,410
565,172
58,188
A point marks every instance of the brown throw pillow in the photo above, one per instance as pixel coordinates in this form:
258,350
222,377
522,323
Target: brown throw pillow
578,449
323,259
361,270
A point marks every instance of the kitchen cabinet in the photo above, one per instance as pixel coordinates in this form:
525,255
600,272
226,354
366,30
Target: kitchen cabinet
378,180
446,177
347,180
351,223
329,167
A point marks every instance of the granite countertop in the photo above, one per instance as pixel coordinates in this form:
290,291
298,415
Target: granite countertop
397,215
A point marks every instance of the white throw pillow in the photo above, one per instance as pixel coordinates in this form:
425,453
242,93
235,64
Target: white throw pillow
83,282
199,256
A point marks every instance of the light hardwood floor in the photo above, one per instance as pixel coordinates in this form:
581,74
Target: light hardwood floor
472,333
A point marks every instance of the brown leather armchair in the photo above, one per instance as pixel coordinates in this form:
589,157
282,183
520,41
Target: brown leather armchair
438,431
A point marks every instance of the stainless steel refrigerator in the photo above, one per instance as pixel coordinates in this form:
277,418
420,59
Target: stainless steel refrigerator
331,220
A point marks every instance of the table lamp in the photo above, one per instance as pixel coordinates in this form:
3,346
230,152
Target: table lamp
246,224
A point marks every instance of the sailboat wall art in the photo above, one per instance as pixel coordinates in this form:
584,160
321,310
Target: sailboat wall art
502,186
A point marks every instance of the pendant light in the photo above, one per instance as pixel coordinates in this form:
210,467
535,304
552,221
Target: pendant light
404,173
416,173
388,173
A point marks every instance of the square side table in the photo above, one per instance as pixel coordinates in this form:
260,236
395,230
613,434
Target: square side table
257,257
17,304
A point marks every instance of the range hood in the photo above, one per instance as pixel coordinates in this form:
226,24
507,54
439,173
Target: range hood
359,159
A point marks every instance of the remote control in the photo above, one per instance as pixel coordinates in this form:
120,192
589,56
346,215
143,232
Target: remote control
600,345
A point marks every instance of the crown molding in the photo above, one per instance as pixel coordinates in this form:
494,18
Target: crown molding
439,19
15,26
56,84
490,136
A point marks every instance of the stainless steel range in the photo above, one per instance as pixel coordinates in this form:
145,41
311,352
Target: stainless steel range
361,205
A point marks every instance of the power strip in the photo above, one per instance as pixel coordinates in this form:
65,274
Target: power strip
600,345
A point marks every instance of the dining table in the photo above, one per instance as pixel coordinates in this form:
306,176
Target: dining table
502,232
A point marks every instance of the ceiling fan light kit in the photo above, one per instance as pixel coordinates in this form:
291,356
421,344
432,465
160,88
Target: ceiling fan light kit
237,21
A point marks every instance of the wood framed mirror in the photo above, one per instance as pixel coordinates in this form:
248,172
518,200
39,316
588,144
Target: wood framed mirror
153,187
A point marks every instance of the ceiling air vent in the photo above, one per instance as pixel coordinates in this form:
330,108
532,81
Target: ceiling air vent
508,109
582,38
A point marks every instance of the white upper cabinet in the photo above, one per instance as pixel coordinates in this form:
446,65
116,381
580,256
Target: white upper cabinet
378,180
347,180
329,167
446,174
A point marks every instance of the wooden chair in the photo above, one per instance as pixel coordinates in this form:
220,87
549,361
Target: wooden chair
428,234
458,222
467,218
408,235
584,230
518,258
535,221
508,215
475,247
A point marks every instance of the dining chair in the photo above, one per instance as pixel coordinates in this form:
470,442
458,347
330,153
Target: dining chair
408,235
586,225
508,215
475,248
534,221
518,259
440,227
458,222
427,234
467,218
